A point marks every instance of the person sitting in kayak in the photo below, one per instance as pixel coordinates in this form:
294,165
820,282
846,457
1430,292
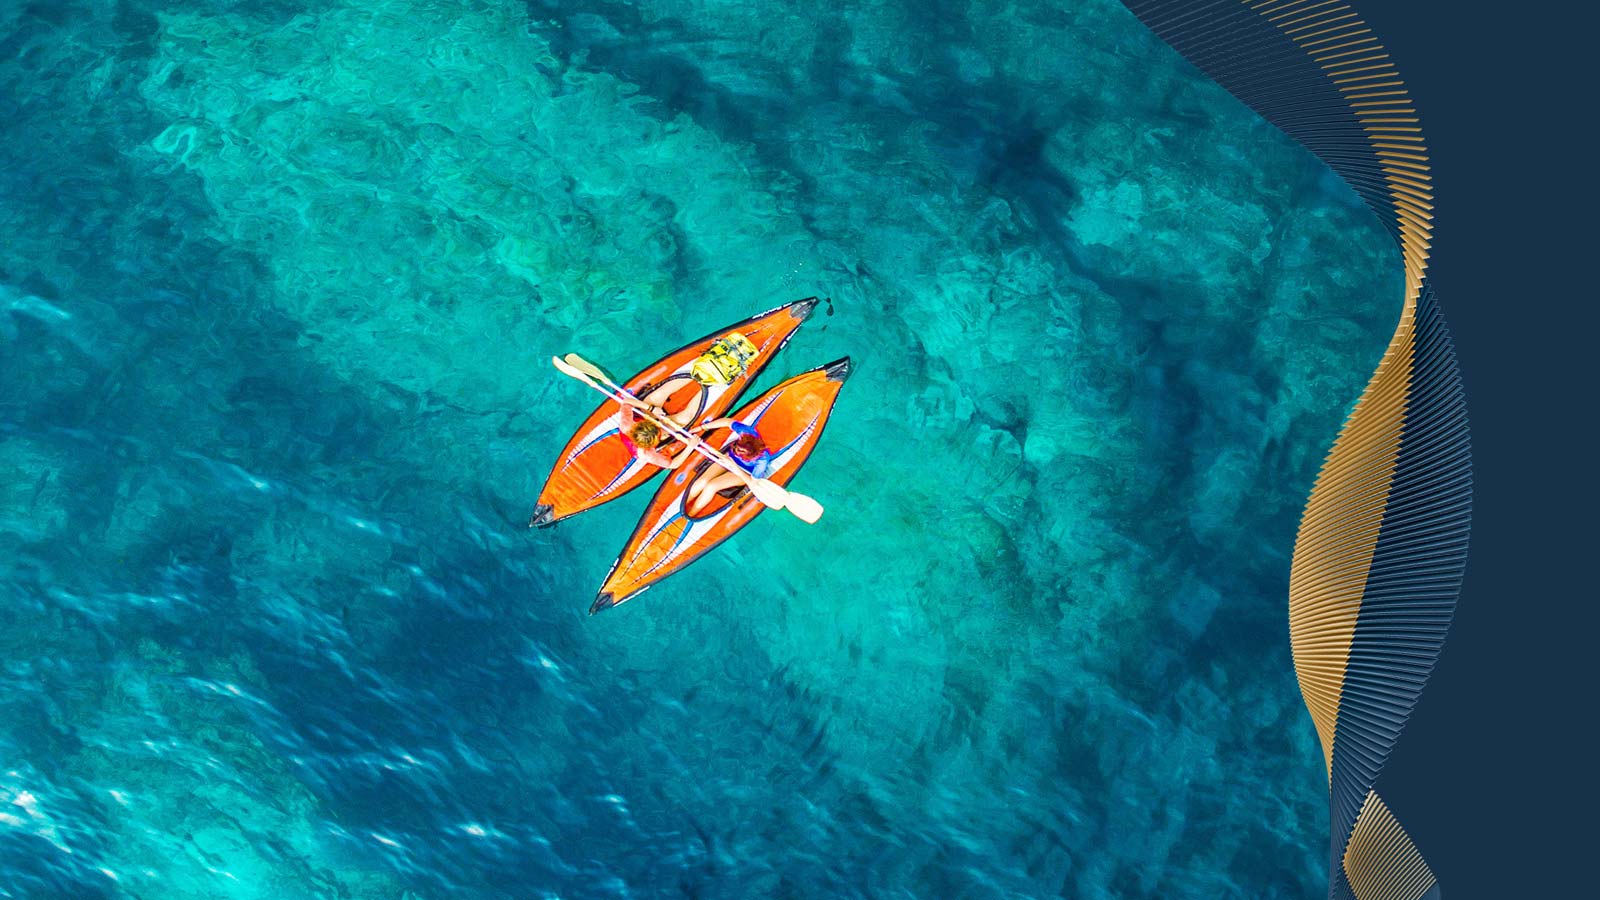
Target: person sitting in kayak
747,450
723,361
647,442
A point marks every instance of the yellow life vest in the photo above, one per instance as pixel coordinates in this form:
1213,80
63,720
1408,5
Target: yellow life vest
724,360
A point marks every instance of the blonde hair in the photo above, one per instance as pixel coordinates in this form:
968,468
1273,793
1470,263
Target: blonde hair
645,433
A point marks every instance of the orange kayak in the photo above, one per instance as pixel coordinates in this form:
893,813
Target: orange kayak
595,467
790,419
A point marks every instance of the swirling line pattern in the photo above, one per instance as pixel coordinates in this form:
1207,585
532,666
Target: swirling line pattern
1382,545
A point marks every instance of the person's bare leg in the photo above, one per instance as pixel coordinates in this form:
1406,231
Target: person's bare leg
697,495
700,495
658,400
663,392
684,417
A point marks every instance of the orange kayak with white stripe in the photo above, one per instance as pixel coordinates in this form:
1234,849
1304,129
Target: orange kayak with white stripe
790,419
595,467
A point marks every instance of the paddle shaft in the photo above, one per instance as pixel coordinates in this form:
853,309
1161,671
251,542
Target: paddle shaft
691,440
771,495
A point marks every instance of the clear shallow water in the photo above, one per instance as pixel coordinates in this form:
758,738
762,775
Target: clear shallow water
277,286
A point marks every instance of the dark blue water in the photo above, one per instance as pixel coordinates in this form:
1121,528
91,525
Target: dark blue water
278,283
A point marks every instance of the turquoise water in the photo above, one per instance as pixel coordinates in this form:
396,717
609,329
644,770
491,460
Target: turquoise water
278,287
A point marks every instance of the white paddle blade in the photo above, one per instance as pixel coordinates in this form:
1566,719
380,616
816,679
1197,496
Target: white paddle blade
805,509
770,495
577,362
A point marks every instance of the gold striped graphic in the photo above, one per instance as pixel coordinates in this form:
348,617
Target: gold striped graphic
1381,862
1382,544
1338,534
1339,530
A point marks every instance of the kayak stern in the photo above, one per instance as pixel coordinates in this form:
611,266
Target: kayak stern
544,515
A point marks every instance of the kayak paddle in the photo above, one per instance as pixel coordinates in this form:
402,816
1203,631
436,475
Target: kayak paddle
771,495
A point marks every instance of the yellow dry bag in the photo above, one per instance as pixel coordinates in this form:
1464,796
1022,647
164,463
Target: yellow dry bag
724,360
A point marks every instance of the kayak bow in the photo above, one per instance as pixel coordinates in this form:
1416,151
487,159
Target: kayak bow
790,419
595,467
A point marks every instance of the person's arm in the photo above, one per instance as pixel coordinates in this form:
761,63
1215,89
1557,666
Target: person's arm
688,451
627,416
714,424
766,466
679,458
